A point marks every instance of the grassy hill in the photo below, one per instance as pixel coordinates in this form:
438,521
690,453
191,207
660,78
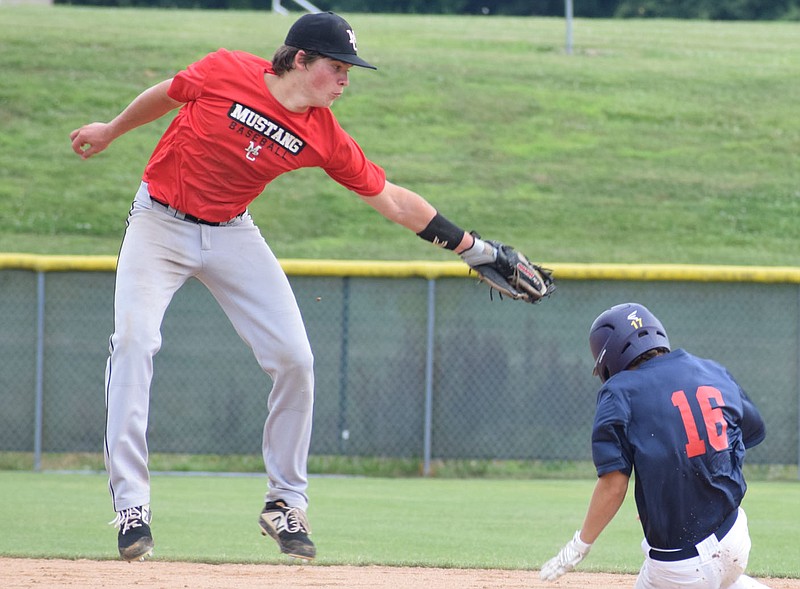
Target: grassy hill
656,141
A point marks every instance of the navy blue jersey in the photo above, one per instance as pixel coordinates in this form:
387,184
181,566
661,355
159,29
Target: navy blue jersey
681,425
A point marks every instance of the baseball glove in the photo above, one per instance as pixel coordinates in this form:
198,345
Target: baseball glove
513,276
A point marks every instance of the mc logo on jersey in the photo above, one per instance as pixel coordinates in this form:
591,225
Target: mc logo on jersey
636,321
252,151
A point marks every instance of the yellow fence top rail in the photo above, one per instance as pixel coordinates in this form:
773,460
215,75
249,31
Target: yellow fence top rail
455,269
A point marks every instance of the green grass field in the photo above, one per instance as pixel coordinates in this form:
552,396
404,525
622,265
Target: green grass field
426,522
657,141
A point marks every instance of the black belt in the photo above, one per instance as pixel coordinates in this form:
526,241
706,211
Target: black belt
691,552
187,217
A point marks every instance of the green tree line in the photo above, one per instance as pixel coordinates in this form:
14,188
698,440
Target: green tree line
685,9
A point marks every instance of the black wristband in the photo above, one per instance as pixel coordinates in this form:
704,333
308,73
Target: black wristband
442,232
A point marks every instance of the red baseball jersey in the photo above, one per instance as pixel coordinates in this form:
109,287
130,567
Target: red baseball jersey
232,138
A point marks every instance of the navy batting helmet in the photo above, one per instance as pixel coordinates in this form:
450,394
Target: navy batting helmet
621,334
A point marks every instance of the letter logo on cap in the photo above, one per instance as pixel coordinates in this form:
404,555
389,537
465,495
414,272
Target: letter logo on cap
352,36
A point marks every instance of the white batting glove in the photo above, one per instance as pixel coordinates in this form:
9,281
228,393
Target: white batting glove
480,253
566,559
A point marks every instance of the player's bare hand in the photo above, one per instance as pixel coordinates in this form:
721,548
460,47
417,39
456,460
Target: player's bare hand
91,139
567,559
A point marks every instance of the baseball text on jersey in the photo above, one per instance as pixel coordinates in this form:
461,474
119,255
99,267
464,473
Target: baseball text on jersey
260,124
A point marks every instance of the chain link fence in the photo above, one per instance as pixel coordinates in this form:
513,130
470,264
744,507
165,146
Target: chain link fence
421,366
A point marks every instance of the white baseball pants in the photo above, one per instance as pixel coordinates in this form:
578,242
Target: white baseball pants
720,564
159,254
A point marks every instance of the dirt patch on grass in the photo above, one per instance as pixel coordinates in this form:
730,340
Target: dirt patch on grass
17,573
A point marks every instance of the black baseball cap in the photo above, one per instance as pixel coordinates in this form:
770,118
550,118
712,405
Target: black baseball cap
326,33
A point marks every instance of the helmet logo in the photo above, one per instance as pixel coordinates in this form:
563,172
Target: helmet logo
636,321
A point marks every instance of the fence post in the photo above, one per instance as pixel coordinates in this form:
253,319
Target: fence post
280,9
39,390
426,451
568,17
344,430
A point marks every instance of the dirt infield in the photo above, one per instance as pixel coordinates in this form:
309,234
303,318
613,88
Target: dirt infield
88,574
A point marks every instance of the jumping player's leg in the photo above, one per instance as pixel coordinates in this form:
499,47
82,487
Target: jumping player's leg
244,276
154,261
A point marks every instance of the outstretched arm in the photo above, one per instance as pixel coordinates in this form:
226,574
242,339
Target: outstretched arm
150,105
497,264
609,493
412,211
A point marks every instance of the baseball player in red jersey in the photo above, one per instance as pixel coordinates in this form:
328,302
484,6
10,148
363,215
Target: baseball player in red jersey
242,121
682,423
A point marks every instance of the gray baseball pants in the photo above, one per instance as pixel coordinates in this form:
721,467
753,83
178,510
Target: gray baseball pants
160,252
